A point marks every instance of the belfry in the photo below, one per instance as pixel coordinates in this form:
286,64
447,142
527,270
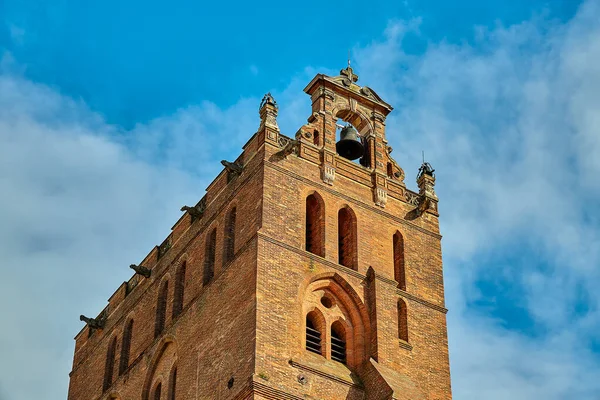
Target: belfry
307,271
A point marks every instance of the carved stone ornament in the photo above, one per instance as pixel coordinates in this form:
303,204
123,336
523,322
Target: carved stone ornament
380,197
93,323
348,76
288,146
328,174
268,112
268,99
141,270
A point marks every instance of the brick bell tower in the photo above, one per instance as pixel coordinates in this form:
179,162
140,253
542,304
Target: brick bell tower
301,274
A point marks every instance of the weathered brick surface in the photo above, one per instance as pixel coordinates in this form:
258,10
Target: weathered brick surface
242,336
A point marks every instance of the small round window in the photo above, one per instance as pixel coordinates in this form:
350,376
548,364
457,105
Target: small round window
327,301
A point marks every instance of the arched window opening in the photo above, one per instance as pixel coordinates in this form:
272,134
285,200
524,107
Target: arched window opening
399,272
390,170
110,363
347,238
209,257
313,334
402,321
161,309
179,290
126,348
172,384
316,137
229,242
157,392
338,342
365,160
315,225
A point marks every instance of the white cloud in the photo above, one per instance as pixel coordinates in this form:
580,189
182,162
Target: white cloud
510,124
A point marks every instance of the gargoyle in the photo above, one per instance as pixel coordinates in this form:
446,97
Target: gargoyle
290,147
93,323
145,272
232,168
197,211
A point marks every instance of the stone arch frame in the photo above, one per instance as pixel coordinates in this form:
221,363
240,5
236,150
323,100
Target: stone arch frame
399,258
322,327
229,252
180,282
353,240
109,363
166,279
160,349
356,117
357,323
321,251
127,342
214,226
402,307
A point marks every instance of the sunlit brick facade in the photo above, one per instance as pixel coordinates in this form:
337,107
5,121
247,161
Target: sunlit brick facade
299,275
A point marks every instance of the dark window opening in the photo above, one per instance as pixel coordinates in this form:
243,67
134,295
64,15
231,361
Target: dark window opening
399,271
109,366
229,242
402,321
161,309
172,384
315,226
338,342
209,258
124,361
179,290
346,238
316,137
365,160
157,391
313,336
390,170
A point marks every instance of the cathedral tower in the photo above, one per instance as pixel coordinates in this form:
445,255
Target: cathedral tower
301,274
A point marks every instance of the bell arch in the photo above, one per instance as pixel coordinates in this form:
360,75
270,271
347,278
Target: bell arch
356,118
345,309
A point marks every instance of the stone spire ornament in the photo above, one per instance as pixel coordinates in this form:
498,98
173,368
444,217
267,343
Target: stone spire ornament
426,181
268,112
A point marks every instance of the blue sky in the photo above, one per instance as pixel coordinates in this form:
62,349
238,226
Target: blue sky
114,114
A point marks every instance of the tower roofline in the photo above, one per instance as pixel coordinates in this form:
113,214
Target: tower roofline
345,84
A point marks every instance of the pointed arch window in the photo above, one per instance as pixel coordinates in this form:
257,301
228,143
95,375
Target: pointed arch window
314,333
161,309
402,321
390,170
209,257
229,234
179,290
315,225
110,363
157,392
172,384
338,342
126,347
316,138
399,271
347,251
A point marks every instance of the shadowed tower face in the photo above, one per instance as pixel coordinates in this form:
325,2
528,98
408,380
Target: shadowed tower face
307,271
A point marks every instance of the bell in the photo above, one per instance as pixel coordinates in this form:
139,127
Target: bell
349,146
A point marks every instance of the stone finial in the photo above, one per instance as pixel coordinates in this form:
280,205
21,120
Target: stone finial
93,323
268,111
141,270
426,180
